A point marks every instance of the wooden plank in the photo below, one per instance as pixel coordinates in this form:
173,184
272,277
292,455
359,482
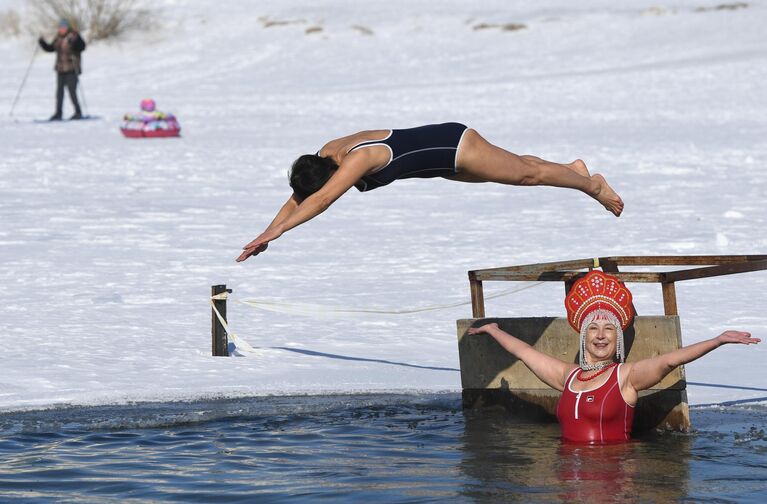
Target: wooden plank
563,276
579,264
698,260
712,271
548,266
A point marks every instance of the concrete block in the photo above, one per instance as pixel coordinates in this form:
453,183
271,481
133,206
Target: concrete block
492,376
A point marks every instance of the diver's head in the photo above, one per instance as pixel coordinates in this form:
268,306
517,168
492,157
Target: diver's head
309,173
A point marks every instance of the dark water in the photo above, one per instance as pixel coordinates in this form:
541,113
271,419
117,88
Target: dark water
366,448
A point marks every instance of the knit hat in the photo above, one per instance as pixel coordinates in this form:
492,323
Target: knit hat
148,105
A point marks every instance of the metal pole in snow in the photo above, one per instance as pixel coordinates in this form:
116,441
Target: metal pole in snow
24,80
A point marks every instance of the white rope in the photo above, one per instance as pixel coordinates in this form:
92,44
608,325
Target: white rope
315,309
240,343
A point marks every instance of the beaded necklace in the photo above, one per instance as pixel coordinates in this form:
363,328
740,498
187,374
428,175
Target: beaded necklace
597,366
605,368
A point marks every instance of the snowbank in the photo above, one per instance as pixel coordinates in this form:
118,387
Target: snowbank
108,246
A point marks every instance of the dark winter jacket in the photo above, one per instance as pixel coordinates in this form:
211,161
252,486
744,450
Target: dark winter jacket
68,48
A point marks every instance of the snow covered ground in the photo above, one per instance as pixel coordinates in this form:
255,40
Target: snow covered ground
109,246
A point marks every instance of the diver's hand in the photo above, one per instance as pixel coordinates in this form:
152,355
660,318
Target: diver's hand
252,252
260,244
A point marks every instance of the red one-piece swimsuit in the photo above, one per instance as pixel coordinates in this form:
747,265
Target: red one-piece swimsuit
598,415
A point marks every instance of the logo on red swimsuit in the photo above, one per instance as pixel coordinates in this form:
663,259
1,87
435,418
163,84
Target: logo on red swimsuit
598,291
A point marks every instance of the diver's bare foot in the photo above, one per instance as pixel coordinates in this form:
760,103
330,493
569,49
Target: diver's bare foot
579,167
607,196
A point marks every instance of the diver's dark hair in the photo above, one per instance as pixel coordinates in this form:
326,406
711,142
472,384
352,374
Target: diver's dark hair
309,173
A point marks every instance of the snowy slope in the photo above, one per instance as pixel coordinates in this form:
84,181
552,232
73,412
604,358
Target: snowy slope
108,246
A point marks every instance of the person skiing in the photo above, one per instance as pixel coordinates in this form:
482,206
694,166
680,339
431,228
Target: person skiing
67,44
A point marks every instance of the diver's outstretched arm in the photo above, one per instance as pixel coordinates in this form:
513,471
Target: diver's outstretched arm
287,208
351,170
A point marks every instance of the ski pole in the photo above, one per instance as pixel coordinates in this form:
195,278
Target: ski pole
82,94
24,80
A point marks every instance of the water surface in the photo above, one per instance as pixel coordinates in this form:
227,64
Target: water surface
382,448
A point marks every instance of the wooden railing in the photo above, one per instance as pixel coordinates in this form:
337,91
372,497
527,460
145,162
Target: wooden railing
569,271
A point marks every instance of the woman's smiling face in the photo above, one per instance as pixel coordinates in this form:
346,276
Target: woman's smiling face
601,341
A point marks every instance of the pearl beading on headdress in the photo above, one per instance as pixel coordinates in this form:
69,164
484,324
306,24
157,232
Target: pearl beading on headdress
600,298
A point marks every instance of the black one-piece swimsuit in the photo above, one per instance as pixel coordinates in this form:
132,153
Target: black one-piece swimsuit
424,152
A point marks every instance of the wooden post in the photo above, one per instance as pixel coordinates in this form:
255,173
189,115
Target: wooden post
669,298
219,340
608,265
568,286
477,296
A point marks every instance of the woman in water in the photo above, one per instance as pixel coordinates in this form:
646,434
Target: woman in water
599,395
371,159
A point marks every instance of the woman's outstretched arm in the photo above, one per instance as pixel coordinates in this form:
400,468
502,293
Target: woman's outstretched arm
353,168
287,208
550,370
647,373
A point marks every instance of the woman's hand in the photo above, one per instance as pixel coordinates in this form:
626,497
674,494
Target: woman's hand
736,337
260,244
482,329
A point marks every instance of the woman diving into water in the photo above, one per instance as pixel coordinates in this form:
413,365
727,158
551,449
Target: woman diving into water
371,159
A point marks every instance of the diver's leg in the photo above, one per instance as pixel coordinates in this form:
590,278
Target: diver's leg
479,160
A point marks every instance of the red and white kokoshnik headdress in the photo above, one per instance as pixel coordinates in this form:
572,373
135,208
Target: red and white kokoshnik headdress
599,295
598,291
